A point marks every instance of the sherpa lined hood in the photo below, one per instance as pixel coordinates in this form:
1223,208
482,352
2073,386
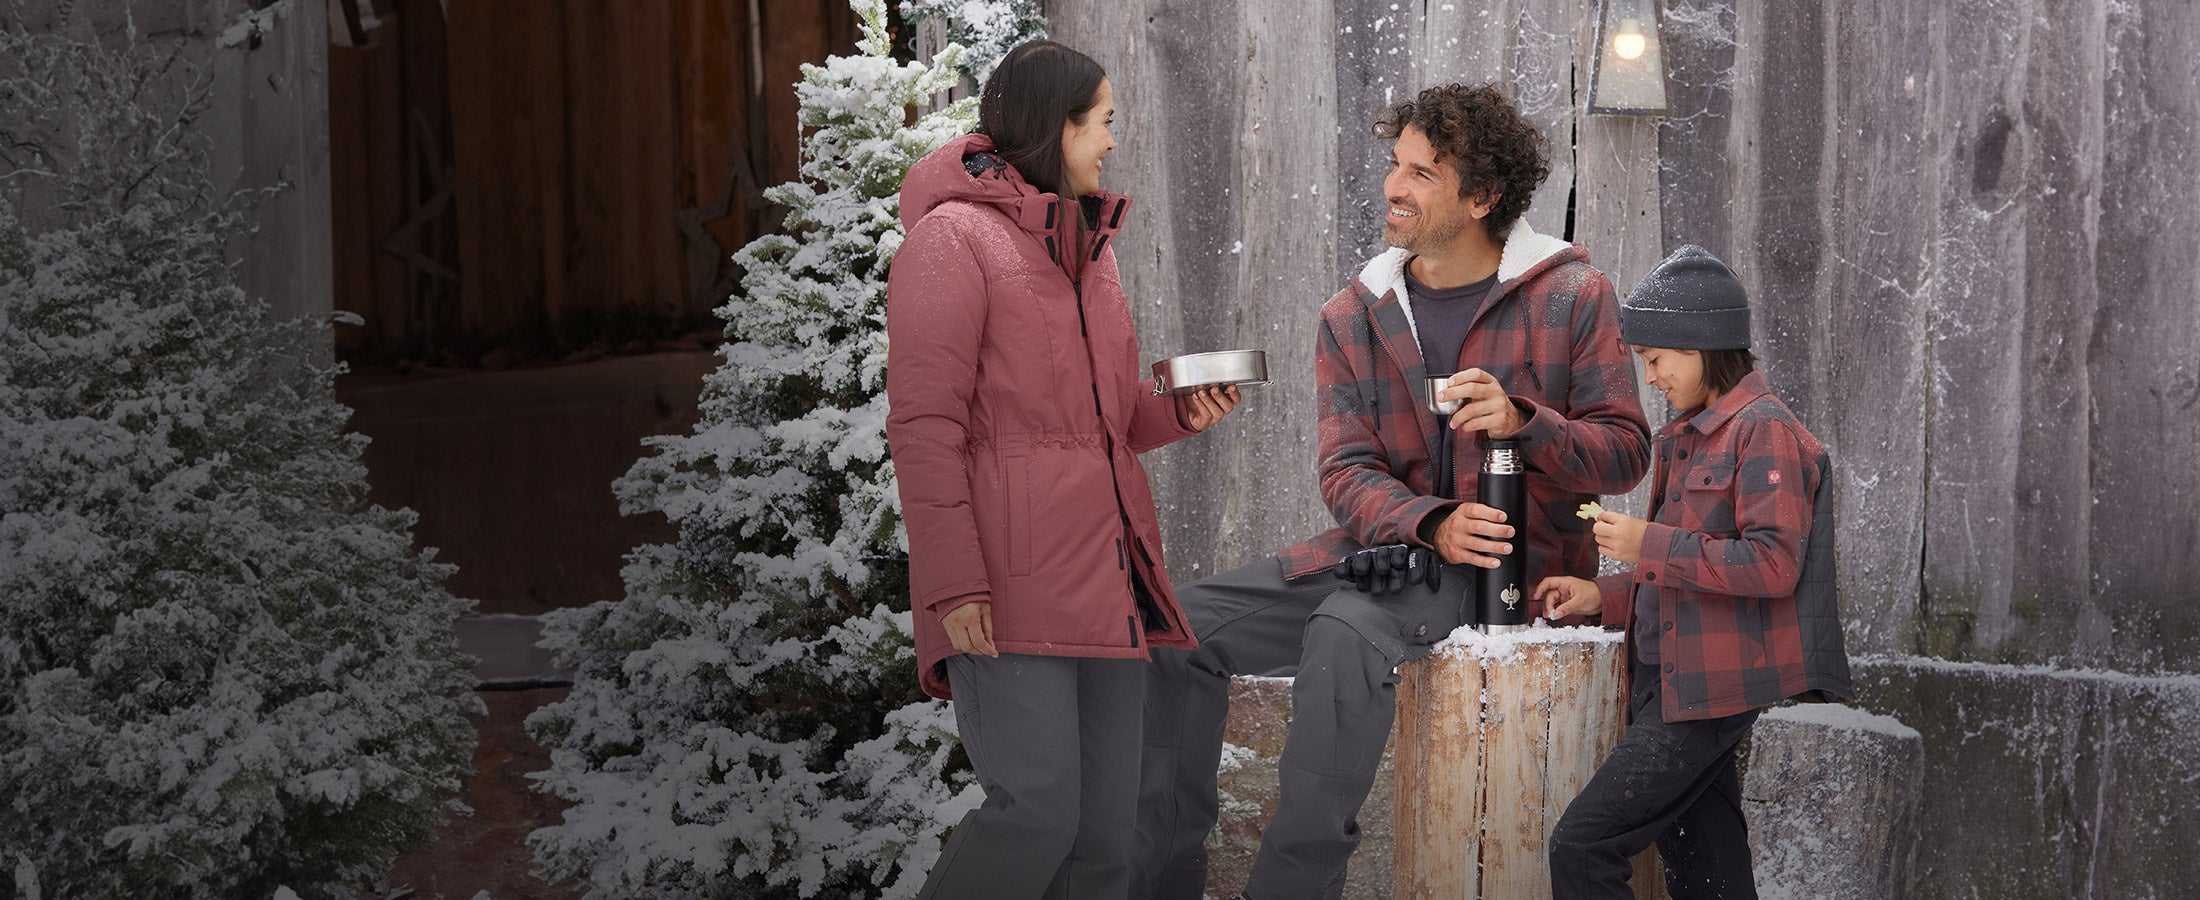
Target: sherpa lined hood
1527,253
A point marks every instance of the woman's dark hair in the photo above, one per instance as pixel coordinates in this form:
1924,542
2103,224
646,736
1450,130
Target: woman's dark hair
1723,369
1482,134
1037,88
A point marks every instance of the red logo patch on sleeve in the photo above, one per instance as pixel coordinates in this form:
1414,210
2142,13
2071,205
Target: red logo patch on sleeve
1773,477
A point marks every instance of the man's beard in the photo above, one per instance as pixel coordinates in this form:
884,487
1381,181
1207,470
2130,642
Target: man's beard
1431,233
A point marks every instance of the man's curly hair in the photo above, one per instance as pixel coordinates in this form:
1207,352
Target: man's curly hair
1482,134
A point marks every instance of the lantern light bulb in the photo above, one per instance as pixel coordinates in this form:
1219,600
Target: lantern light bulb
1629,43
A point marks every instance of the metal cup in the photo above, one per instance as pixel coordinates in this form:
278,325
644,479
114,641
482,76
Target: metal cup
1441,407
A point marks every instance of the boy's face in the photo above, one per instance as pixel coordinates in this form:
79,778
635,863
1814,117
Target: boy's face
1676,373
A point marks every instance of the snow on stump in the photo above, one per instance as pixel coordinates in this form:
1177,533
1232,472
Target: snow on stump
1495,735
1832,796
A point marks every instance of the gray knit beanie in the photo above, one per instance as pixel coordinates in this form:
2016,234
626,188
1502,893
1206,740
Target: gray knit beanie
1689,301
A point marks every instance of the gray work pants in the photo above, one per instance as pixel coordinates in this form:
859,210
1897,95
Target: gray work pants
1054,741
1343,647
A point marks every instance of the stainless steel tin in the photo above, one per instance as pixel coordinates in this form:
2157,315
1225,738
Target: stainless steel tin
1192,371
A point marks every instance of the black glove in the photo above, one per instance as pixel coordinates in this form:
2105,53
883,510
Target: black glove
1389,568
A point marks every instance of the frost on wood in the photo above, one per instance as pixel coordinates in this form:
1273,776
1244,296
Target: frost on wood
746,721
1832,794
221,669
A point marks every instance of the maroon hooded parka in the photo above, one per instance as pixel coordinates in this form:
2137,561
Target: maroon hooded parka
1016,413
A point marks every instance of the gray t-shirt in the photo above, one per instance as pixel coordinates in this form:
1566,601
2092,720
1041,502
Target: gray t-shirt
1442,318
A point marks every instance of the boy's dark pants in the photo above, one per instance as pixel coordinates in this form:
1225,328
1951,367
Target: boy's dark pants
1668,783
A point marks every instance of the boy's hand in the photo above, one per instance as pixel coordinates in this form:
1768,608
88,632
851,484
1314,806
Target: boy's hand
1619,536
1484,405
1473,534
1563,596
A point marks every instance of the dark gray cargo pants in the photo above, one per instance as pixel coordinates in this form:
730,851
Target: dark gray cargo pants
1054,741
1343,647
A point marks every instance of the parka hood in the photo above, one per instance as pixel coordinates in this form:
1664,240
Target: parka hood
964,169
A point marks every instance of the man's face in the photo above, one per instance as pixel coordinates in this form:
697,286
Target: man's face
1426,211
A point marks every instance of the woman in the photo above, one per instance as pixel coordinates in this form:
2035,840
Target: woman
1016,413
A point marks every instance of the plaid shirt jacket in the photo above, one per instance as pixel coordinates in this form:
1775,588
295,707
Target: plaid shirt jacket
1740,548
1549,332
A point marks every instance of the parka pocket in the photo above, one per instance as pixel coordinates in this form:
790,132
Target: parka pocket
1016,476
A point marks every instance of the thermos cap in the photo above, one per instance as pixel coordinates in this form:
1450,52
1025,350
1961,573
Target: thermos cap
1502,457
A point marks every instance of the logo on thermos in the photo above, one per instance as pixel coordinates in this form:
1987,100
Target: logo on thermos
1511,596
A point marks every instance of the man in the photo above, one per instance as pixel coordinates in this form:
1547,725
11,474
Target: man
1531,331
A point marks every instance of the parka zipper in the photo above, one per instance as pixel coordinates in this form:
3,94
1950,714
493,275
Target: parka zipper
1107,439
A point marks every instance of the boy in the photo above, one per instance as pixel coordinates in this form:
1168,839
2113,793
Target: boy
1730,607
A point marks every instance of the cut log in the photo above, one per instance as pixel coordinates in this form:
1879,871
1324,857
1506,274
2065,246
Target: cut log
1832,796
1495,735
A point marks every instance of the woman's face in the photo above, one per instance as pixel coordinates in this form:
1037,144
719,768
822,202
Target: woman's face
1677,373
1084,143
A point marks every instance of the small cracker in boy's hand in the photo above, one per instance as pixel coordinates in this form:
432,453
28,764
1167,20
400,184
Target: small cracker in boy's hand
1590,510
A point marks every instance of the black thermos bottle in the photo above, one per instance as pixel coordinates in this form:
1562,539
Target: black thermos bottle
1502,600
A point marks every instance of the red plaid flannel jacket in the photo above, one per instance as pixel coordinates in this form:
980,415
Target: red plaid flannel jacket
1550,334
1740,548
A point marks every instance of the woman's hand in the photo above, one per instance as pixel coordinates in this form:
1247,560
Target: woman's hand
1563,596
1202,408
1619,537
970,628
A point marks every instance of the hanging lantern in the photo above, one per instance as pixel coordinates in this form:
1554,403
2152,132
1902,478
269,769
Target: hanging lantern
1627,73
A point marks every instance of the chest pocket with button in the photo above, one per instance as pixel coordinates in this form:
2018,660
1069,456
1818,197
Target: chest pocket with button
1707,498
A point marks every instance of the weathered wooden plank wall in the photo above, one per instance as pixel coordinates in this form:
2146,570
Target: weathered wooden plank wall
1246,140
603,159
1957,221
1225,144
1969,231
1988,330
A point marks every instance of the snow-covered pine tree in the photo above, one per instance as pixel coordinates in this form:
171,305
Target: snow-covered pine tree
987,29
746,721
222,671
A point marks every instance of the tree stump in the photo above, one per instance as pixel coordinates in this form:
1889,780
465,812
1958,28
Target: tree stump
1495,735
1832,796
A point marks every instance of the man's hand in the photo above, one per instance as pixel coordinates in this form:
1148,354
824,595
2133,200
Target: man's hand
1484,405
1388,569
1563,595
970,628
1619,536
1202,408
1474,534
